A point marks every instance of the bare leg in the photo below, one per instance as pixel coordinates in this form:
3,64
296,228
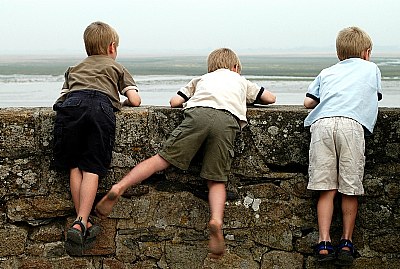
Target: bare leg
139,173
83,189
325,211
349,213
75,182
217,198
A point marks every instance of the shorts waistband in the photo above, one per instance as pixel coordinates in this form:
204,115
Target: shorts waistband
216,109
90,93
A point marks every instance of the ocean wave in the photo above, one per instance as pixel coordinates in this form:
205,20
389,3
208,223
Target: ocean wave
140,79
390,62
288,78
17,78
151,79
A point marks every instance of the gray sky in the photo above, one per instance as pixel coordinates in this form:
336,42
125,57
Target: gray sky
196,27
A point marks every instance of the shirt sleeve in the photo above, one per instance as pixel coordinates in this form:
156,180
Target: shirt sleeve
253,91
379,83
65,87
126,82
313,88
66,81
189,89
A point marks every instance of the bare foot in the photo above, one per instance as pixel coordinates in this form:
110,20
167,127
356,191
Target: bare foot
216,244
106,204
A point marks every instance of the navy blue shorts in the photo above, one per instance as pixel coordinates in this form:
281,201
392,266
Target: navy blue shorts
84,132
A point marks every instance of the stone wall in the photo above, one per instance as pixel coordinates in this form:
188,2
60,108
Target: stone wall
270,218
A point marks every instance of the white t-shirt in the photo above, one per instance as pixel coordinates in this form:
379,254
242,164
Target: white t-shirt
222,89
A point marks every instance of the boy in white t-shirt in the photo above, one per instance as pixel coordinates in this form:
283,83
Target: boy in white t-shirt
215,111
344,98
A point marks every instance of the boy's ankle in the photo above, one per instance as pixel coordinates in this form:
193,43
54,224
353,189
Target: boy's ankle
116,190
215,222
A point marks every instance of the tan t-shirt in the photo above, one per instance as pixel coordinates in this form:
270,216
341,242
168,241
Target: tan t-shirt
100,73
221,89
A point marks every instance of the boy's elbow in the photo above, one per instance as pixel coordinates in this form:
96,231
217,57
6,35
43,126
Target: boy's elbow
176,101
310,103
307,105
268,98
136,101
174,104
133,98
272,99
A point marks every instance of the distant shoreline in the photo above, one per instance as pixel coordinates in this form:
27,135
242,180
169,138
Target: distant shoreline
77,56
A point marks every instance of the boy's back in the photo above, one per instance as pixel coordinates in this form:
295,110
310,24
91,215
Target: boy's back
348,89
222,89
100,73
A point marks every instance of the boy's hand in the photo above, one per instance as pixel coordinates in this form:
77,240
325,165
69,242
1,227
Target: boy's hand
267,98
133,98
126,103
310,103
177,101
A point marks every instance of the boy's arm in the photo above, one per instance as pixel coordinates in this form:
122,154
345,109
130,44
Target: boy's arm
262,96
177,100
183,95
310,102
312,98
133,98
267,97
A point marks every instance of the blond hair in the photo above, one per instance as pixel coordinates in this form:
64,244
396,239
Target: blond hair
223,58
352,42
98,36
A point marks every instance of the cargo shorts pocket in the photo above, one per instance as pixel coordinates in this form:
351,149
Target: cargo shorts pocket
108,111
71,102
231,155
172,138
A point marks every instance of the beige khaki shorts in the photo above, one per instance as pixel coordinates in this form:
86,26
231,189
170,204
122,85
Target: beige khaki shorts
336,157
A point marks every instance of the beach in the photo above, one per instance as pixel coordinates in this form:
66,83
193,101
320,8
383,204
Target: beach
37,81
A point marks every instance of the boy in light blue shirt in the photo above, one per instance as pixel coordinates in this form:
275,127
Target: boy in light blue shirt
344,99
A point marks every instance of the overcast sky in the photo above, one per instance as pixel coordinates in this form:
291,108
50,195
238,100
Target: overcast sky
196,27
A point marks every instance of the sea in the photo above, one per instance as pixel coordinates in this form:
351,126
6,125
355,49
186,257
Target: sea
36,81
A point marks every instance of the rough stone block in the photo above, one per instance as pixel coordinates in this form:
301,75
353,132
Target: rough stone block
12,240
47,233
39,207
18,133
281,259
274,235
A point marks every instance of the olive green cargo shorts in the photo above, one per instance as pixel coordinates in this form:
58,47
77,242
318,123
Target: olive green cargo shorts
212,129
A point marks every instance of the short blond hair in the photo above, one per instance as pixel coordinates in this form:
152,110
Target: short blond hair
98,36
223,58
351,42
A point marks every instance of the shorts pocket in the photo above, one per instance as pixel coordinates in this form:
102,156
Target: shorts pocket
71,102
231,155
173,136
58,135
108,110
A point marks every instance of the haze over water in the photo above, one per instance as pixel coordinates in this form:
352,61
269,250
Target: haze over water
37,81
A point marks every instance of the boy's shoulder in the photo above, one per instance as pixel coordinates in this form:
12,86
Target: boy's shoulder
350,64
94,61
223,74
99,58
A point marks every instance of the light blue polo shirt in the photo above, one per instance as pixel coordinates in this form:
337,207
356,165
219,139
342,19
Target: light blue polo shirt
351,88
